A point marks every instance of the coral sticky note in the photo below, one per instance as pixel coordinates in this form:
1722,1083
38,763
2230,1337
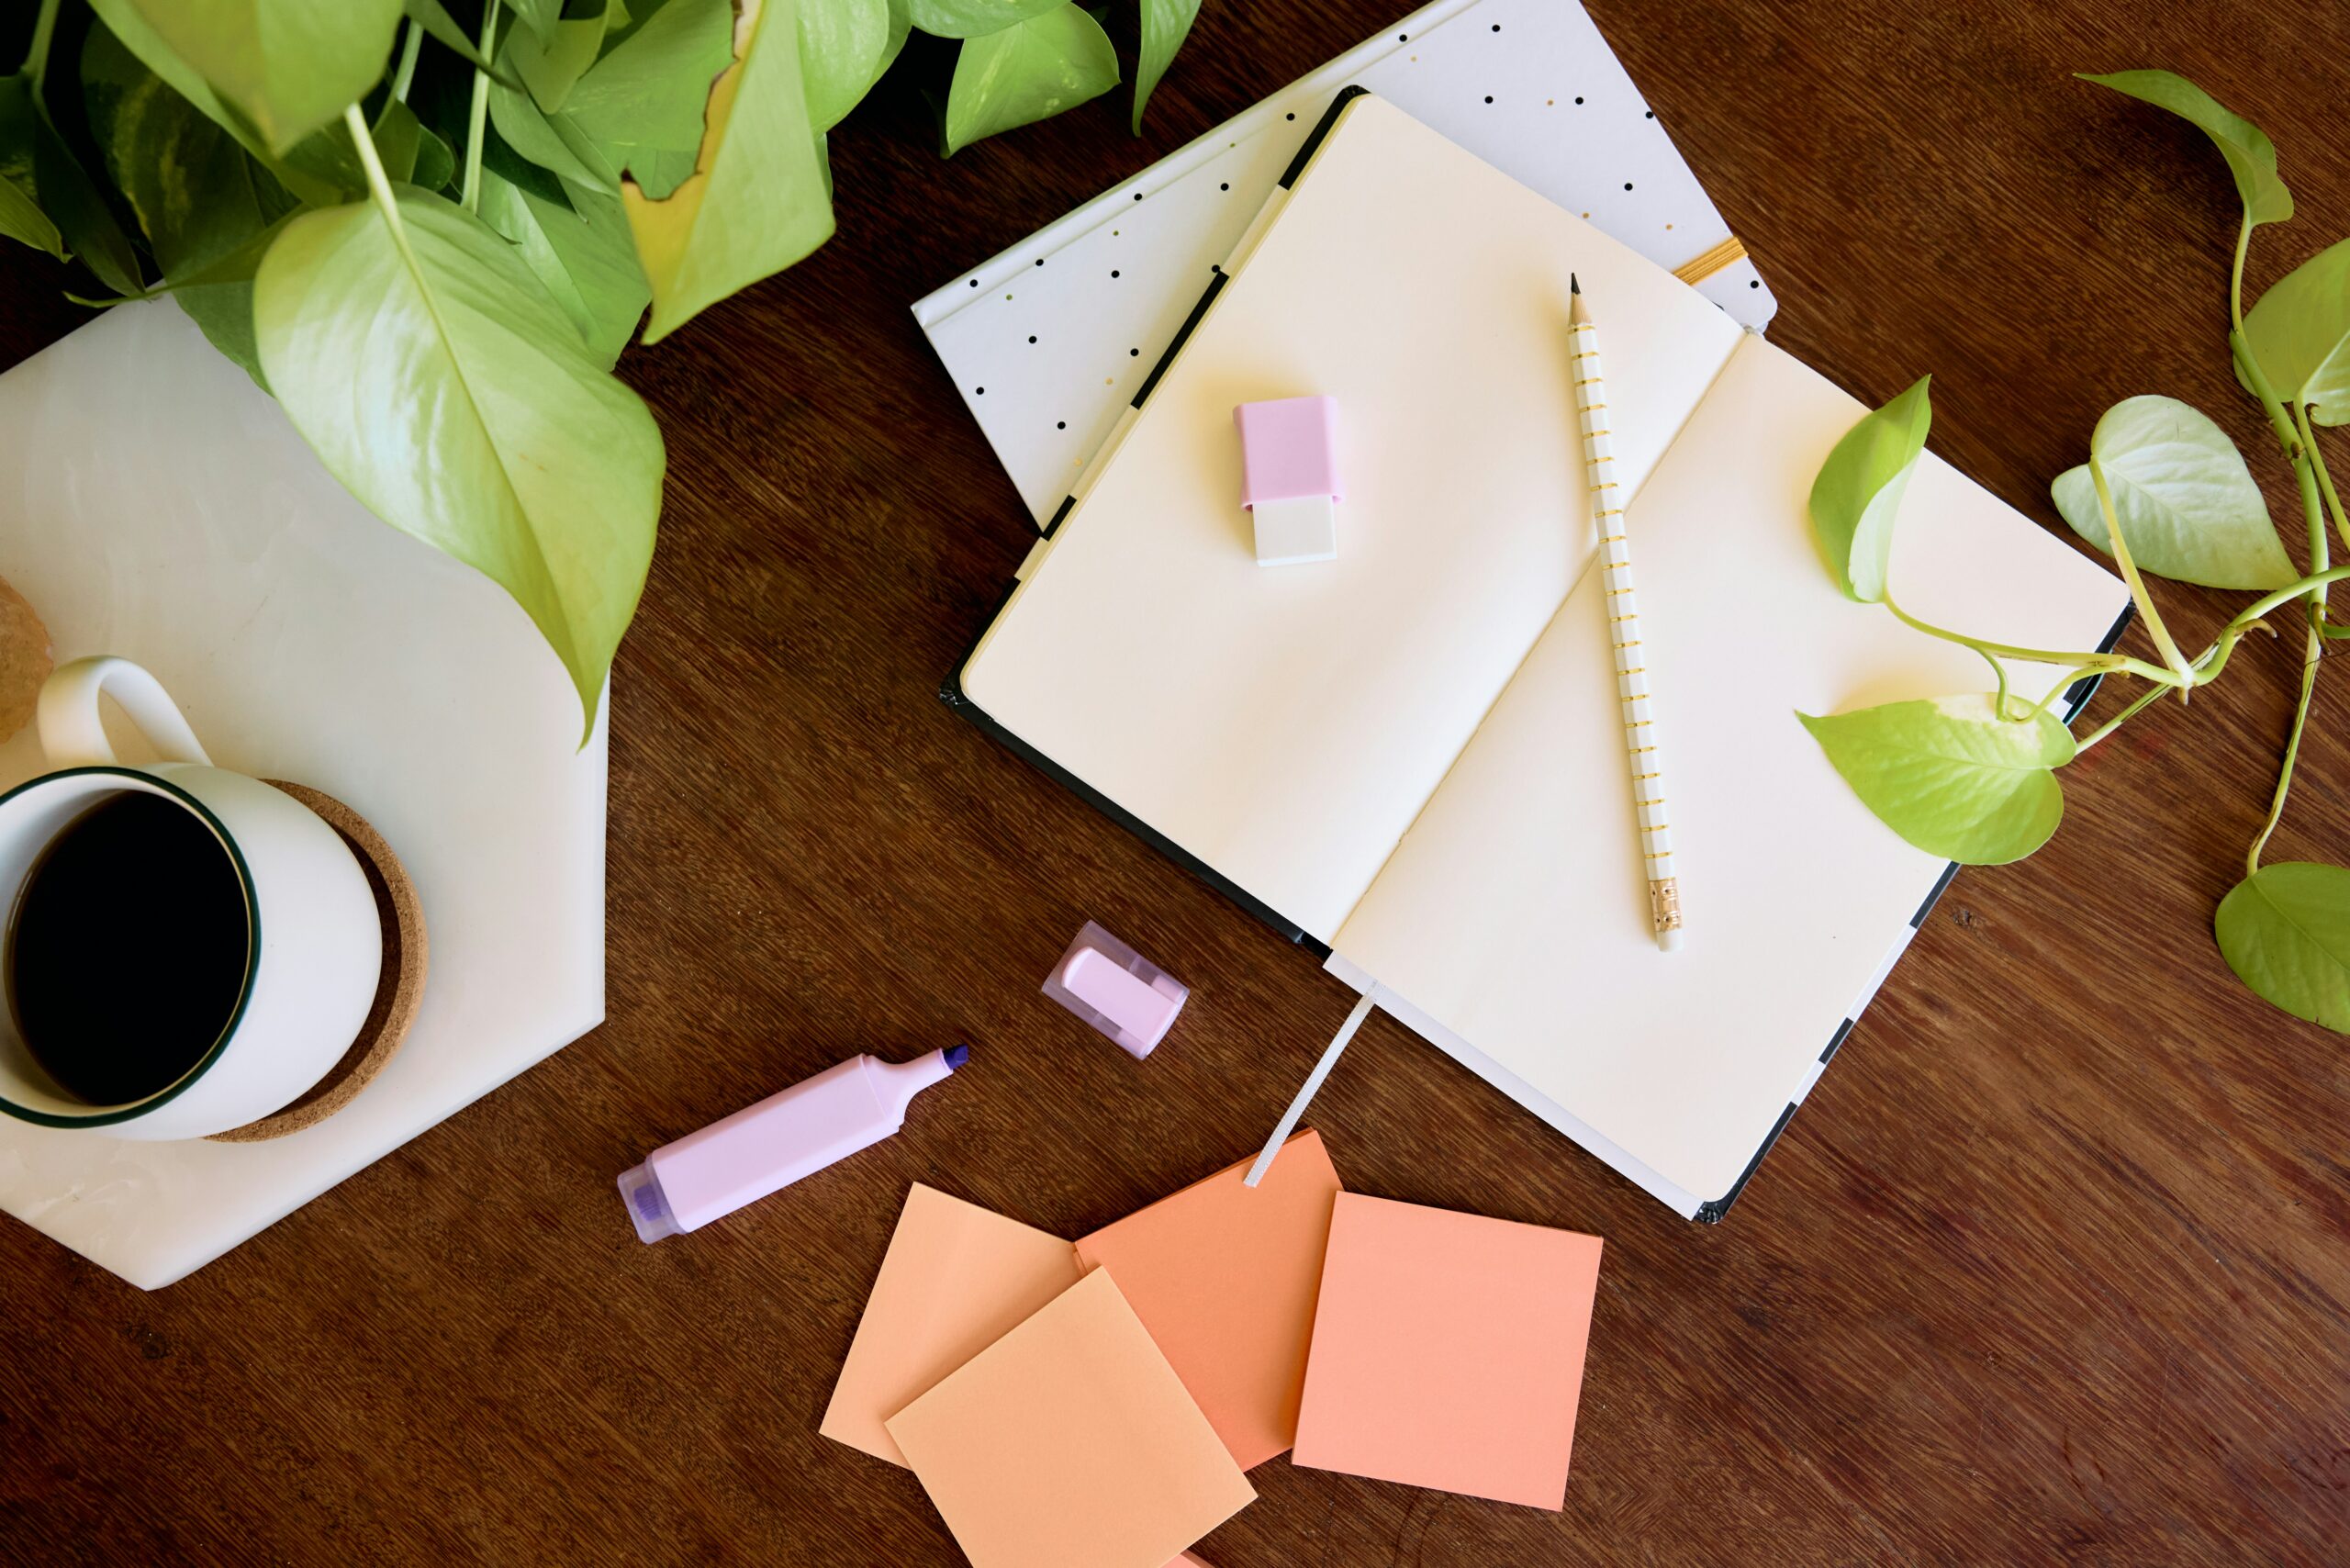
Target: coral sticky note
1224,1276
1448,1350
956,1278
1071,1440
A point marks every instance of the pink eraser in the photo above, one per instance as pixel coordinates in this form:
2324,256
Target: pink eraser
1116,990
1289,450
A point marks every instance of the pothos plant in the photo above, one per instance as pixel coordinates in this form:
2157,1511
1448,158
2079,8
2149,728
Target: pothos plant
2163,491
430,227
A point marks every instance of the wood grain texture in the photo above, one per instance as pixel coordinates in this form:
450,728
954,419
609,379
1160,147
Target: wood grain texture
2052,1267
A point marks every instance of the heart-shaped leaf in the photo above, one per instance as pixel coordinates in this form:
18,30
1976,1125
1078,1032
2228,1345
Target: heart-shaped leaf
1026,73
2300,335
286,66
66,194
1165,25
1950,775
2286,932
436,380
552,68
320,168
759,197
975,19
550,141
2252,158
581,253
2186,504
844,48
1858,493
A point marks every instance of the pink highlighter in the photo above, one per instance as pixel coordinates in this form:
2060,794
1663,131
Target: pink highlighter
684,1185
1117,990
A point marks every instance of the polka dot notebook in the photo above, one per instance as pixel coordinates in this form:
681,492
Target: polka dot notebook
1049,341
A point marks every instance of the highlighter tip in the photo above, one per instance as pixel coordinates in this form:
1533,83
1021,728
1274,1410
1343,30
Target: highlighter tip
955,1056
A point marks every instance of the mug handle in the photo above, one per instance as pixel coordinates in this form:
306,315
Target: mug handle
72,734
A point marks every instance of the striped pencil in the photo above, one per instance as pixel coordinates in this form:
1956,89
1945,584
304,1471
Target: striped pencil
1641,738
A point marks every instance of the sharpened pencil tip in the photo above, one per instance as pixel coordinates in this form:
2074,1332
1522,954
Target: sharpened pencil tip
1572,287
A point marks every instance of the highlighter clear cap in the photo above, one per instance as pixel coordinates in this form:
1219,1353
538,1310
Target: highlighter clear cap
647,1209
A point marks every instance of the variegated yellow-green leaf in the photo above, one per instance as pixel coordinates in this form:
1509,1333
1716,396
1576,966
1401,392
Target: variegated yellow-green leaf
757,199
2186,504
286,66
2300,335
2286,932
641,105
1165,25
1950,775
1858,494
1025,73
2252,158
441,385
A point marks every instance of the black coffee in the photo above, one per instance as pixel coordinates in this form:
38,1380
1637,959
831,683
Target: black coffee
127,951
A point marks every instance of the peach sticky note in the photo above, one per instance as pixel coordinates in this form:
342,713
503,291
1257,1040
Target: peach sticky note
1224,1276
1448,1350
1071,1440
956,1278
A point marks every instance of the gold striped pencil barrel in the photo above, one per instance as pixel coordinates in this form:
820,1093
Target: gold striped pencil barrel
1642,737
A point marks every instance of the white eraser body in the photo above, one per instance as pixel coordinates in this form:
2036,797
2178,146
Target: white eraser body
1303,528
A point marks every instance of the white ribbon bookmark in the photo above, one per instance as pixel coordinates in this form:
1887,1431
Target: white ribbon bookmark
1306,1090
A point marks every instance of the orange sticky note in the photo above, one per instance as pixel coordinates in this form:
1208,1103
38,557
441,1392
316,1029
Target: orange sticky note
1448,1350
956,1278
1071,1440
1224,1276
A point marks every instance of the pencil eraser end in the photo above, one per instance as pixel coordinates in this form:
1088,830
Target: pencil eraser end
1289,478
1668,941
1116,990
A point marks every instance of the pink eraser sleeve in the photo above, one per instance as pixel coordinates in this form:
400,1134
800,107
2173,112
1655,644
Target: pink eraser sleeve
1289,449
1116,990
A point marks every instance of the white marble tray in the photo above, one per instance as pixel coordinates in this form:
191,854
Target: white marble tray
154,503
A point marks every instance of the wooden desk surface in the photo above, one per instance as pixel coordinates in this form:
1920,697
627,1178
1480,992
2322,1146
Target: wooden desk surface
2053,1266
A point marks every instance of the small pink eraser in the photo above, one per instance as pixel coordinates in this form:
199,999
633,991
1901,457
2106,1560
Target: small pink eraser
1117,990
1289,450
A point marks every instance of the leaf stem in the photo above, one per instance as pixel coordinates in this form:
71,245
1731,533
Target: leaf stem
478,117
37,57
2146,699
2080,663
2318,469
2145,602
2316,650
2235,274
410,46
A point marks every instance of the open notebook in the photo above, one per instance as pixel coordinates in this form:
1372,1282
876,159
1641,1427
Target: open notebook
1410,755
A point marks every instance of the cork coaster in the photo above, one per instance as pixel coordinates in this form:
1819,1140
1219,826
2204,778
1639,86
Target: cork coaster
397,994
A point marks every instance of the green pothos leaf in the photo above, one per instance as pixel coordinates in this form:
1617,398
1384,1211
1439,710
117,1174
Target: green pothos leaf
434,18
1858,494
844,48
287,67
1165,25
1950,774
2186,504
2285,930
484,425
641,105
2252,157
1025,73
759,196
20,214
975,19
2299,336
581,251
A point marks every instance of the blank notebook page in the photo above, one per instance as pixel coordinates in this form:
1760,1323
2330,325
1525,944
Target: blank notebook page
1286,725
1514,914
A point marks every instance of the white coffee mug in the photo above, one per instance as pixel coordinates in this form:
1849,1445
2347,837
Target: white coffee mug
314,945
